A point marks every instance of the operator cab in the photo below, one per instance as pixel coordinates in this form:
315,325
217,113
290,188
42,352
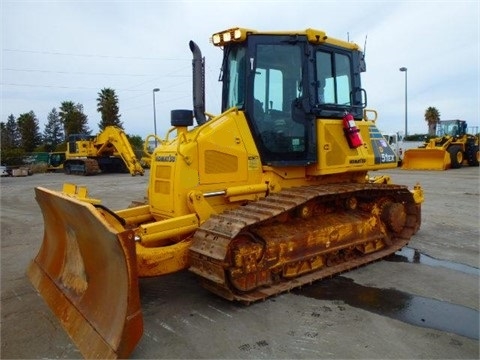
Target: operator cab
284,82
453,128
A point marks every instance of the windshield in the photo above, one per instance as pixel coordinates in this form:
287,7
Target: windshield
452,128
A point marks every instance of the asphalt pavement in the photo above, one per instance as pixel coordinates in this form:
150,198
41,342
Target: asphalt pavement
422,303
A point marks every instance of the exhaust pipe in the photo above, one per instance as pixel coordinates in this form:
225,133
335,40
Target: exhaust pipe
198,65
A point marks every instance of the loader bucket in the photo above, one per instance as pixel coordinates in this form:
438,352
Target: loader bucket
426,159
86,272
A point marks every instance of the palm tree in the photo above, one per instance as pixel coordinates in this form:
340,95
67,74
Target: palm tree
432,117
107,105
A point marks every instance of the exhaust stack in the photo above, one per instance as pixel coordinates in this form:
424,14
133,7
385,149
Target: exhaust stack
198,65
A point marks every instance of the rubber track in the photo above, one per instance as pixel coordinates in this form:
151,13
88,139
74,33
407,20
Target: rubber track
222,228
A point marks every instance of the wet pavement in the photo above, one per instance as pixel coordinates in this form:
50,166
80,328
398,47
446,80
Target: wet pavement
399,305
409,255
409,308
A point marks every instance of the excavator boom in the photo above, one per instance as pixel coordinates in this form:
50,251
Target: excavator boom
108,151
115,137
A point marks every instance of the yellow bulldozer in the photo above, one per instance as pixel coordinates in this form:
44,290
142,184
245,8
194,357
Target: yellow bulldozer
108,151
450,149
271,194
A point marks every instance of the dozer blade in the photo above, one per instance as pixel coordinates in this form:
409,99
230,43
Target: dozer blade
426,159
86,272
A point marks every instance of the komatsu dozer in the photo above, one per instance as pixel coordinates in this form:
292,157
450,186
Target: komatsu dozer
450,149
271,194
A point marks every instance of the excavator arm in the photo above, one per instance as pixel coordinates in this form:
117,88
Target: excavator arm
113,141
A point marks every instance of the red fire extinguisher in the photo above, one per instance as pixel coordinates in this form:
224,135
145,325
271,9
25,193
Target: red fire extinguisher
351,131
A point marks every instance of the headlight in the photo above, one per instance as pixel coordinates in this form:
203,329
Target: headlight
216,39
230,35
237,34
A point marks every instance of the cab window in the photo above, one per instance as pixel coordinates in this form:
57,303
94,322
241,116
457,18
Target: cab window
334,84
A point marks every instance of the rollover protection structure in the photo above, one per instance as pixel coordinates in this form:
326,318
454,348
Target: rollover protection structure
271,194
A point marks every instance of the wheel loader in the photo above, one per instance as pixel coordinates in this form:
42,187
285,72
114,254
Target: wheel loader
450,149
108,151
271,194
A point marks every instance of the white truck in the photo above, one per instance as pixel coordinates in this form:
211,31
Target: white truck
399,146
4,171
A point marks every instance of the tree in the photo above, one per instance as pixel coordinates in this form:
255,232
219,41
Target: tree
11,153
10,137
73,119
107,105
136,141
3,136
29,131
53,132
432,117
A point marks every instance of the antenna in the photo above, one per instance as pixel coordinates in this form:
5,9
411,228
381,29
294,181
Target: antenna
365,46
348,36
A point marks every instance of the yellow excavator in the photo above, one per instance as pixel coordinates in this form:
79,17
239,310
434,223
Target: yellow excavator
108,151
271,194
450,149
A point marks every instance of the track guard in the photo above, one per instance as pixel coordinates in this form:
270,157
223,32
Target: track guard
86,272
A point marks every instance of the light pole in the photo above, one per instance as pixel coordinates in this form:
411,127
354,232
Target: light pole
155,115
404,69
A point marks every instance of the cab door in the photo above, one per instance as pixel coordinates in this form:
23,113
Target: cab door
276,93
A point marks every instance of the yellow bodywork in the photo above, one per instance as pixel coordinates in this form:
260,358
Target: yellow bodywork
194,177
91,257
55,161
426,159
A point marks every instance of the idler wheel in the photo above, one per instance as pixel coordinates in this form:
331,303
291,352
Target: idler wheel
394,216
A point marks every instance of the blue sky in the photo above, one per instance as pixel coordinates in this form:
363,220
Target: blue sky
55,51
